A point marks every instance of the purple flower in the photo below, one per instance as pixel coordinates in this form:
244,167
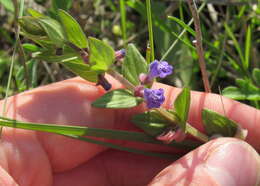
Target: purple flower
120,54
159,69
154,97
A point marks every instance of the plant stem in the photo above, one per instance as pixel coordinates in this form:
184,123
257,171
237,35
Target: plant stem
94,132
150,28
17,15
121,79
190,129
193,131
202,63
123,21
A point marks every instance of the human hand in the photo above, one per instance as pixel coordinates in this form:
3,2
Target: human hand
29,158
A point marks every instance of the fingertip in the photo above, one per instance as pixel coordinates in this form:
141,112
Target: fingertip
224,161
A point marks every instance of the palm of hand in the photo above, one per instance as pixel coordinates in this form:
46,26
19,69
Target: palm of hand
35,158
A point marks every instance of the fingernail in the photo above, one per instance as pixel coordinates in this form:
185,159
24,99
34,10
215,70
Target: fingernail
234,163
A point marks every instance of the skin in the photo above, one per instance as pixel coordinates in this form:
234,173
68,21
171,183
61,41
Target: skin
29,158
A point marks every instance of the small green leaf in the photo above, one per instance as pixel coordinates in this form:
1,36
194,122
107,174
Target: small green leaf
101,55
184,25
215,123
72,62
53,29
31,47
245,91
120,98
50,57
134,64
233,93
182,106
73,30
81,69
256,76
150,122
35,13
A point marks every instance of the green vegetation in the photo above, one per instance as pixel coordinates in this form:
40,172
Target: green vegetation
230,41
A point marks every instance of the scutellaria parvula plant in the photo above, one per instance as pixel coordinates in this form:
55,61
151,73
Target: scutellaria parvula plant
62,41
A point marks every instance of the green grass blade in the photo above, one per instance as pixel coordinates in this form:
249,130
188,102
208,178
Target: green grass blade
183,41
247,47
127,149
150,27
123,21
94,132
236,44
20,13
184,25
180,35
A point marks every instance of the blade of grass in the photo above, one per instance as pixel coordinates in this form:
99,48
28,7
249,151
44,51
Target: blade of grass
34,74
180,35
222,52
181,23
247,47
94,132
236,44
21,8
123,21
150,27
127,149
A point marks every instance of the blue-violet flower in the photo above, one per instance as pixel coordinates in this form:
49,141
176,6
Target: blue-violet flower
120,54
159,69
154,97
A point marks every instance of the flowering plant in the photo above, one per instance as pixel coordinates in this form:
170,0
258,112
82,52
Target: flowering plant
62,40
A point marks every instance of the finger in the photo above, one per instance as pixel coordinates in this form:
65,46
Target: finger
68,102
113,168
247,117
6,179
224,161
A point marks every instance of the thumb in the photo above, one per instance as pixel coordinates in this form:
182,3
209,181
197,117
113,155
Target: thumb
224,161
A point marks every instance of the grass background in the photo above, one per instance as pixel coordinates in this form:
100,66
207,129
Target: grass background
231,36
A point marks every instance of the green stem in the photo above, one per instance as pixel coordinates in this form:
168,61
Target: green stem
17,14
128,149
199,45
121,79
94,132
193,131
123,20
150,27
190,129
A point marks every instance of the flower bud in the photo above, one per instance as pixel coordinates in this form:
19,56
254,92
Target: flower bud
31,26
172,135
144,79
139,91
120,54
103,82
